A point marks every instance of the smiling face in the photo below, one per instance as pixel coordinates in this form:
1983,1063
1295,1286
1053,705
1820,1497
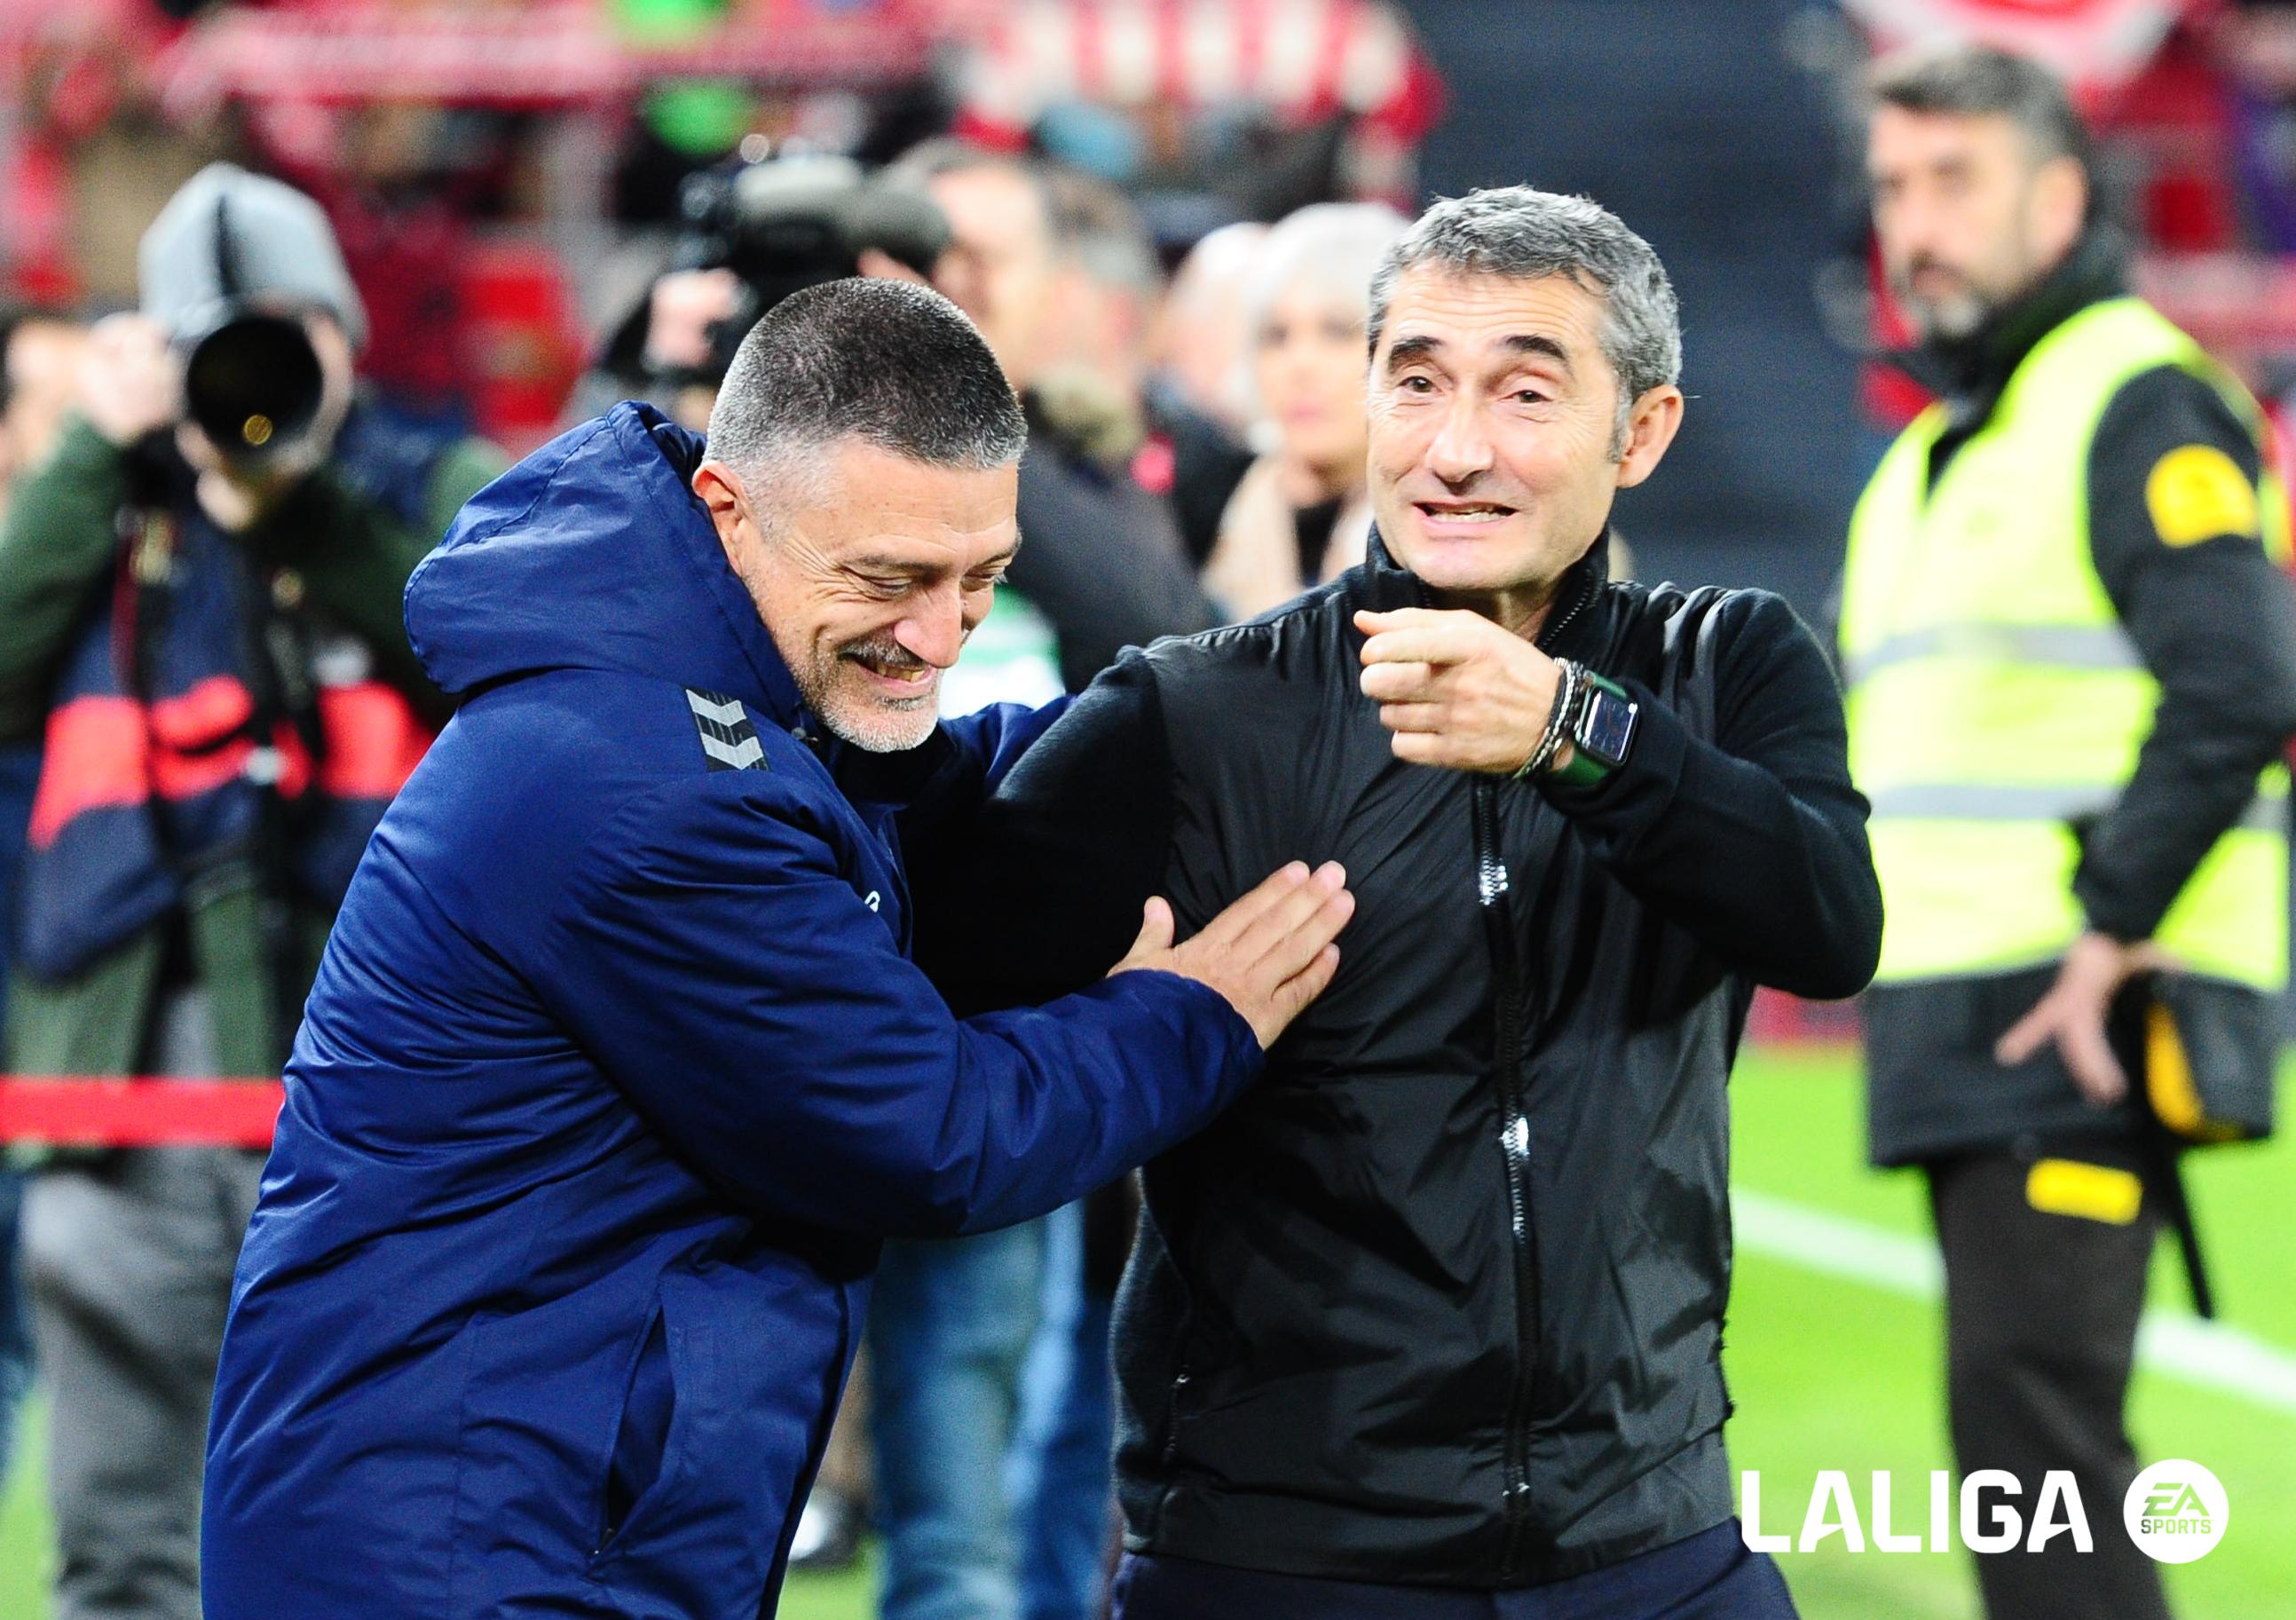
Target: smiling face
870,580
1494,450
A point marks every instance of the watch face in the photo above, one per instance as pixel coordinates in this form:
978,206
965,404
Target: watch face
1607,728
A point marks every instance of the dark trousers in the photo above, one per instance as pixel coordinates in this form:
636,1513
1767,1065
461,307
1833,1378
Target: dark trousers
1710,1576
2041,1313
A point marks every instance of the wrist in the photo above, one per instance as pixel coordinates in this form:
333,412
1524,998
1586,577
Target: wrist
1569,685
1599,734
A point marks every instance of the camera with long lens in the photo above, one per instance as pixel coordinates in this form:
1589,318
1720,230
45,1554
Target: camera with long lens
252,383
782,224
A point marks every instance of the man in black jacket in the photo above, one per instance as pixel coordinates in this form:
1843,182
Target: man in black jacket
1430,1325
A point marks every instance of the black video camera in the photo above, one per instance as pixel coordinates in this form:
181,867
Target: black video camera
784,224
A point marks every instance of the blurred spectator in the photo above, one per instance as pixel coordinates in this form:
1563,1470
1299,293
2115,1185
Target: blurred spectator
1104,562
1112,293
836,1511
2256,45
1057,1475
229,701
1203,339
40,357
1199,394
1302,515
39,367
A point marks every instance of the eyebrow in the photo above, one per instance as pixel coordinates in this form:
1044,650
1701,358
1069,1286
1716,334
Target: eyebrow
1422,347
1531,342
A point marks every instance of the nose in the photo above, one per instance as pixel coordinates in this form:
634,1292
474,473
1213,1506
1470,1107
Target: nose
936,631
1909,227
1461,449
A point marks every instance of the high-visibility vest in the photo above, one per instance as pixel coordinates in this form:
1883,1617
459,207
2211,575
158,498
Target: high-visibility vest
1994,699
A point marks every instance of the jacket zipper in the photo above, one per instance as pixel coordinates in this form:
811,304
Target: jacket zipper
1515,1146
1491,887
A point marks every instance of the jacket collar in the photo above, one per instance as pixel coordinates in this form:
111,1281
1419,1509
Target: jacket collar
1969,374
1390,585
770,688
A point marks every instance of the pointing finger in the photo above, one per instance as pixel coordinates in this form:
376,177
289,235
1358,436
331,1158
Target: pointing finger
1434,644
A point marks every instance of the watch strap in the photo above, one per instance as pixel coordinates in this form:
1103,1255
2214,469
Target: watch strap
1602,732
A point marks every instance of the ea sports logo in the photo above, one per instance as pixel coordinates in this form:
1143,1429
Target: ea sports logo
2175,1511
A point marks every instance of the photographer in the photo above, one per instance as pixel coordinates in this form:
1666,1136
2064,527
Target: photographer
200,589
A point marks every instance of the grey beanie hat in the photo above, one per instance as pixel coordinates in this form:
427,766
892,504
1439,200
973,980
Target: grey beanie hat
229,233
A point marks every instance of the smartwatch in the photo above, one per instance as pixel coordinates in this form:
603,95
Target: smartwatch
1601,735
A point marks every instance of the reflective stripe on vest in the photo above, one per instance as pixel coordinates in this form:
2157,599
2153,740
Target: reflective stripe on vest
1995,700
2070,646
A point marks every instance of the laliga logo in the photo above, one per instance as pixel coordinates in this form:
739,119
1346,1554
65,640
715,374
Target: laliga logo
2175,1511
1989,1520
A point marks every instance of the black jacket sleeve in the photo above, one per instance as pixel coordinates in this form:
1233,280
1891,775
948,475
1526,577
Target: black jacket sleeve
1756,842
2214,619
1039,893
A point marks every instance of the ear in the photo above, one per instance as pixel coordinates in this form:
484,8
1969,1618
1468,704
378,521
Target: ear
2059,206
1651,428
719,489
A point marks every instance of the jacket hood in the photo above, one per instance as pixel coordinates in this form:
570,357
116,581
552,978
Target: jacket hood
594,553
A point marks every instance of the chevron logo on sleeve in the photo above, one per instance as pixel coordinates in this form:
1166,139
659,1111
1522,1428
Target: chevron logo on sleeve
727,738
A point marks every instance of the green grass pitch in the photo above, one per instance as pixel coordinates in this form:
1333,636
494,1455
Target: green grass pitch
1834,1373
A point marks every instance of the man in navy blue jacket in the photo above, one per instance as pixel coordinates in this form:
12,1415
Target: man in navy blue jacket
617,1069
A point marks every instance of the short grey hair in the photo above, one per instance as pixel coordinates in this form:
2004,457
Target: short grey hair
1525,235
1980,81
888,362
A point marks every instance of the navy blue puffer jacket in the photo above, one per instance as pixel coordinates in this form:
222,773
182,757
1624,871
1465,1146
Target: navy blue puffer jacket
615,1073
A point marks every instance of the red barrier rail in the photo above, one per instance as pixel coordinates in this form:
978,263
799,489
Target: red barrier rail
143,1112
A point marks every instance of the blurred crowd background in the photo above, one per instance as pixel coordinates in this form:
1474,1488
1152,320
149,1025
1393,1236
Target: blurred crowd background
1163,215
507,177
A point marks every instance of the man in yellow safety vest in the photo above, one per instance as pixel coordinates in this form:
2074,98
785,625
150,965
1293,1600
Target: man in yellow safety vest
2071,655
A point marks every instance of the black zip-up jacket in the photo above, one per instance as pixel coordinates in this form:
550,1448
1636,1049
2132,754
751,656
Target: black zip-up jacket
1440,1302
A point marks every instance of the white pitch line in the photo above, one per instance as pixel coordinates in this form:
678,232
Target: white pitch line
2210,1355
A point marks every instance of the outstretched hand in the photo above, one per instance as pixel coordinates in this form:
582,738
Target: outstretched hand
1270,953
